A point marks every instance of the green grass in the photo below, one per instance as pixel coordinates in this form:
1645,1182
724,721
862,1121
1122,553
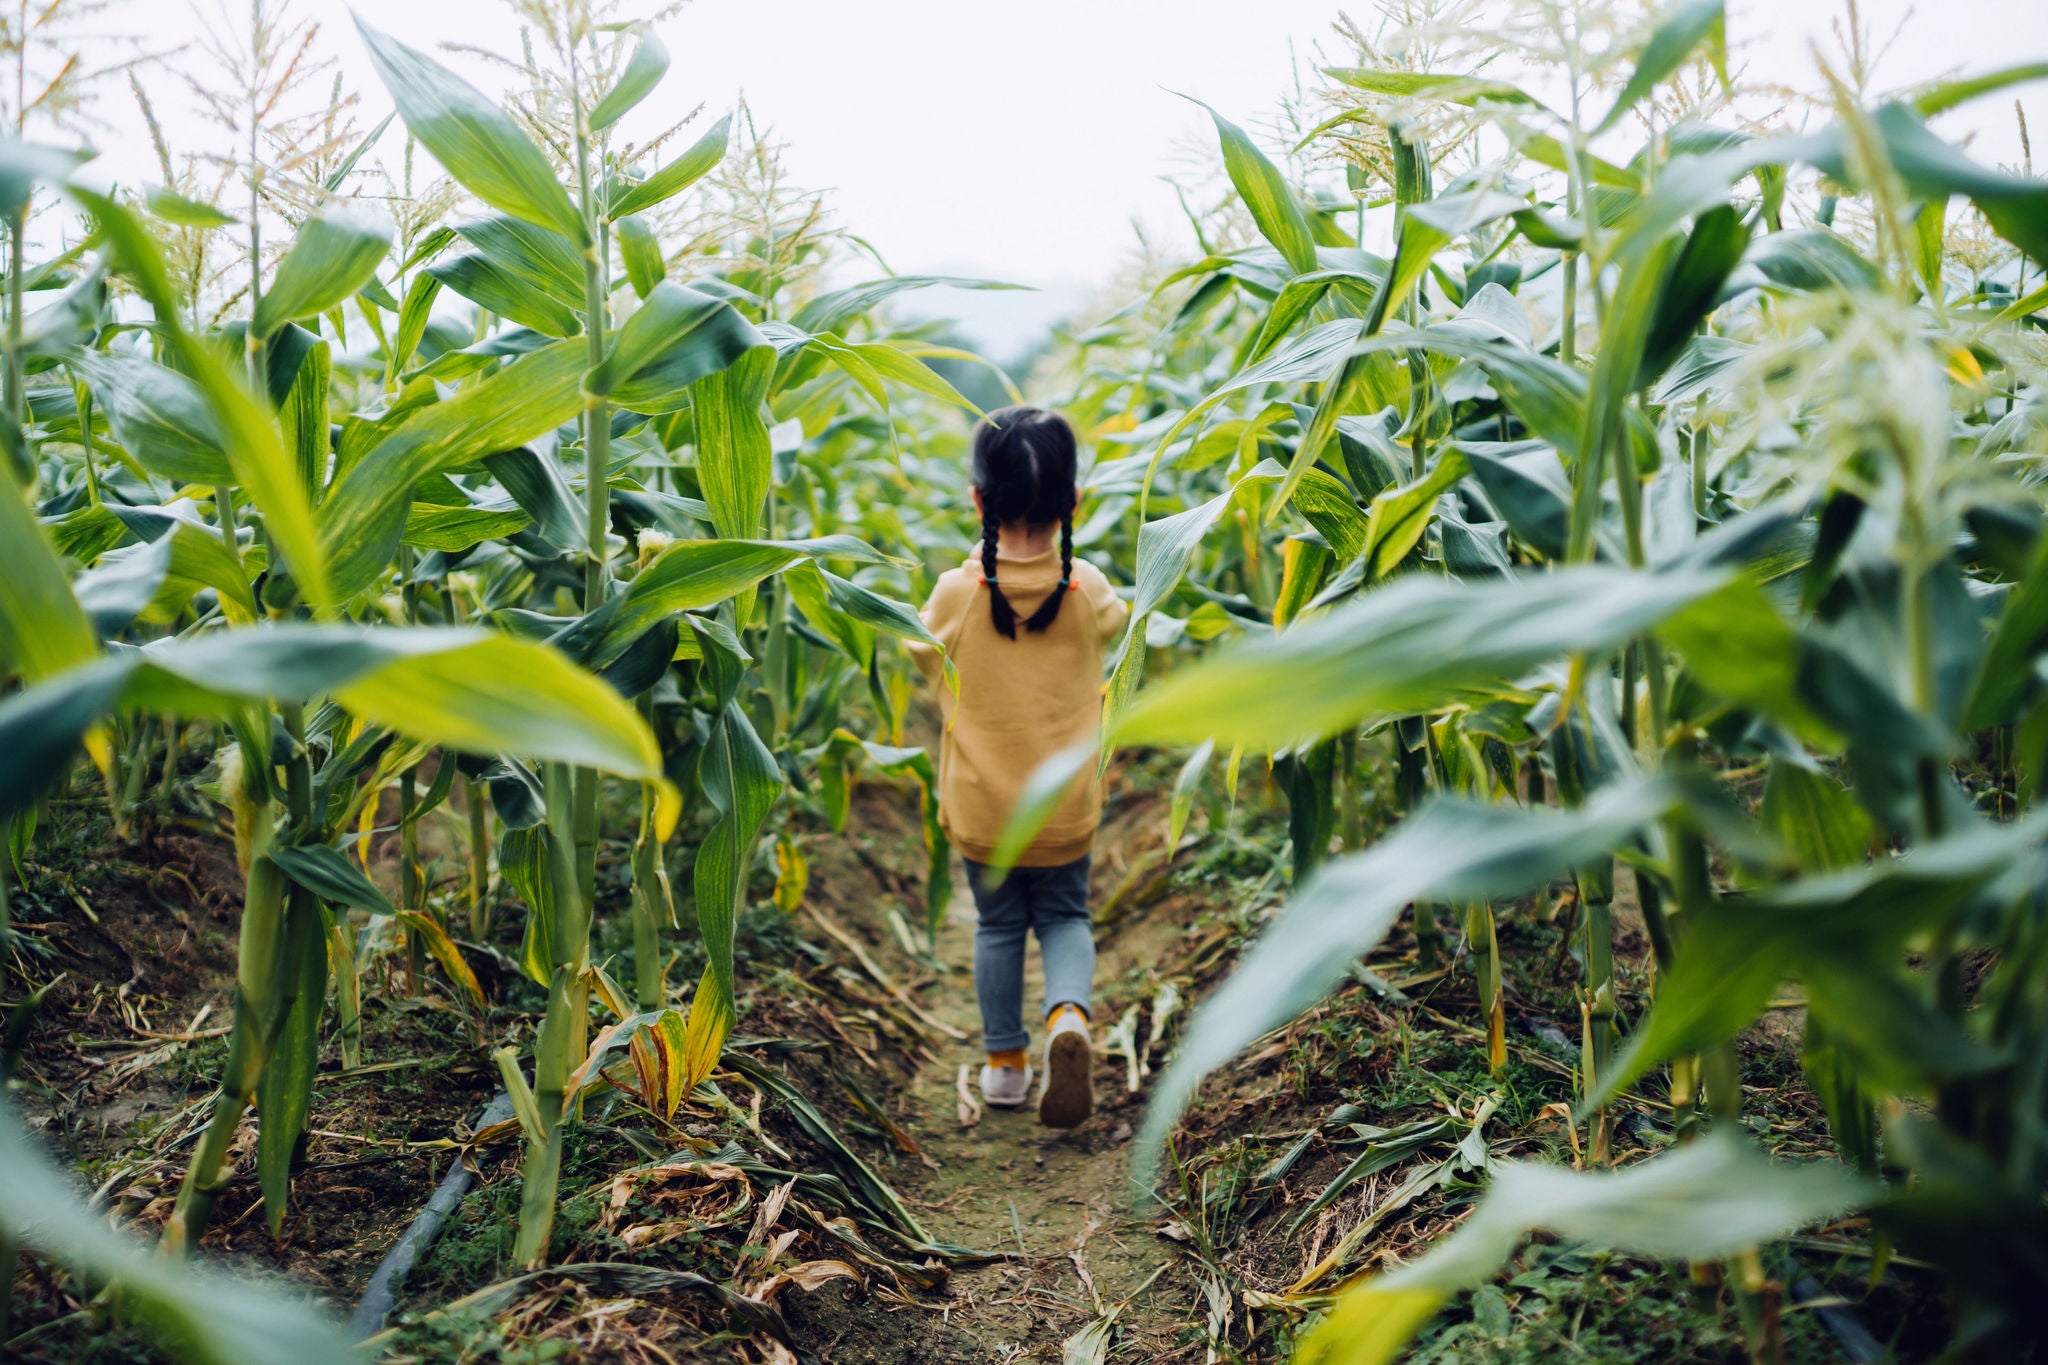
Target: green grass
1568,1303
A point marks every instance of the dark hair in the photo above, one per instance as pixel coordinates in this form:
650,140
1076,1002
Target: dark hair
1024,468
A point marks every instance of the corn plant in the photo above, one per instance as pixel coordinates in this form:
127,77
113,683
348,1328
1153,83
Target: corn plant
347,576
684,368
1758,495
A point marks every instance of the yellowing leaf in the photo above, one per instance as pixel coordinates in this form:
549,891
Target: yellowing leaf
707,1027
792,874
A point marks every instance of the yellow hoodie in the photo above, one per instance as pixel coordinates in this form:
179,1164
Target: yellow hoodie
1021,700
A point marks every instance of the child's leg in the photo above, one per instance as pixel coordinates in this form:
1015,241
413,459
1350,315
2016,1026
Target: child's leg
1066,940
1066,935
1004,923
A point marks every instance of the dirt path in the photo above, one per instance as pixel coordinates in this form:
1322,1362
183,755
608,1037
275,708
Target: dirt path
1057,1204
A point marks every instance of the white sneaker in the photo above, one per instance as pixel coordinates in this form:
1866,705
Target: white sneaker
1069,1073
1006,1087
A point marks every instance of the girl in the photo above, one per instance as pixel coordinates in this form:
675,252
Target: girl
1025,624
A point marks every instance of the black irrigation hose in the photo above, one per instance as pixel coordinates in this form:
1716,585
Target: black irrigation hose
381,1295
1842,1323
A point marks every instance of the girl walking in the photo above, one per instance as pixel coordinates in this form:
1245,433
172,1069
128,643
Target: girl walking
1025,624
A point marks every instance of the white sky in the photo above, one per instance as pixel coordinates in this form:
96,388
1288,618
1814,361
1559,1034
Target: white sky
1022,140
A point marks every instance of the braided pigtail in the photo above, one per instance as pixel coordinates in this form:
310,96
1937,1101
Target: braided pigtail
1024,462
1049,610
999,609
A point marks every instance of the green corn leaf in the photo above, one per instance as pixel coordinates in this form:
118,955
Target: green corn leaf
1711,253
1545,150
1166,548
2005,676
338,176
1425,228
458,687
475,141
672,179
1398,517
495,694
740,779
1272,202
693,574
1735,957
1186,785
1465,90
1327,504
1704,1201
1527,484
830,592
1316,355
332,255
533,259
875,365
1042,794
452,529
492,286
41,727
178,210
644,70
1946,95
284,1092
208,1317
1451,850
23,165
733,454
256,454
1412,646
303,410
1810,259
1646,266
1699,366
1930,232
1737,645
160,417
43,630
1299,299
331,875
1816,817
2016,206
524,860
1683,29
525,1107
641,253
189,558
363,517
677,337
123,584
534,478
1548,396
413,315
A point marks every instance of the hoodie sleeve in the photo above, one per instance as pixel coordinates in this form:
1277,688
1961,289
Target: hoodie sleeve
1112,613
941,616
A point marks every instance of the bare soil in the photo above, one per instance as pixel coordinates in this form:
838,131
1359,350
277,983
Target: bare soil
1056,1205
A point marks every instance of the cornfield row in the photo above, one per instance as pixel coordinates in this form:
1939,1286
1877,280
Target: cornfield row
1672,524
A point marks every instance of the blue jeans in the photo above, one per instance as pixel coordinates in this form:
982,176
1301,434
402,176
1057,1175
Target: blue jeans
1051,902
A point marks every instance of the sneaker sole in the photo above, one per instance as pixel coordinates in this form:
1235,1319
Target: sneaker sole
1069,1090
1023,1095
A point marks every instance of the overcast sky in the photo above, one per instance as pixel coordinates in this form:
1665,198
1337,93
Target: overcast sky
1022,140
